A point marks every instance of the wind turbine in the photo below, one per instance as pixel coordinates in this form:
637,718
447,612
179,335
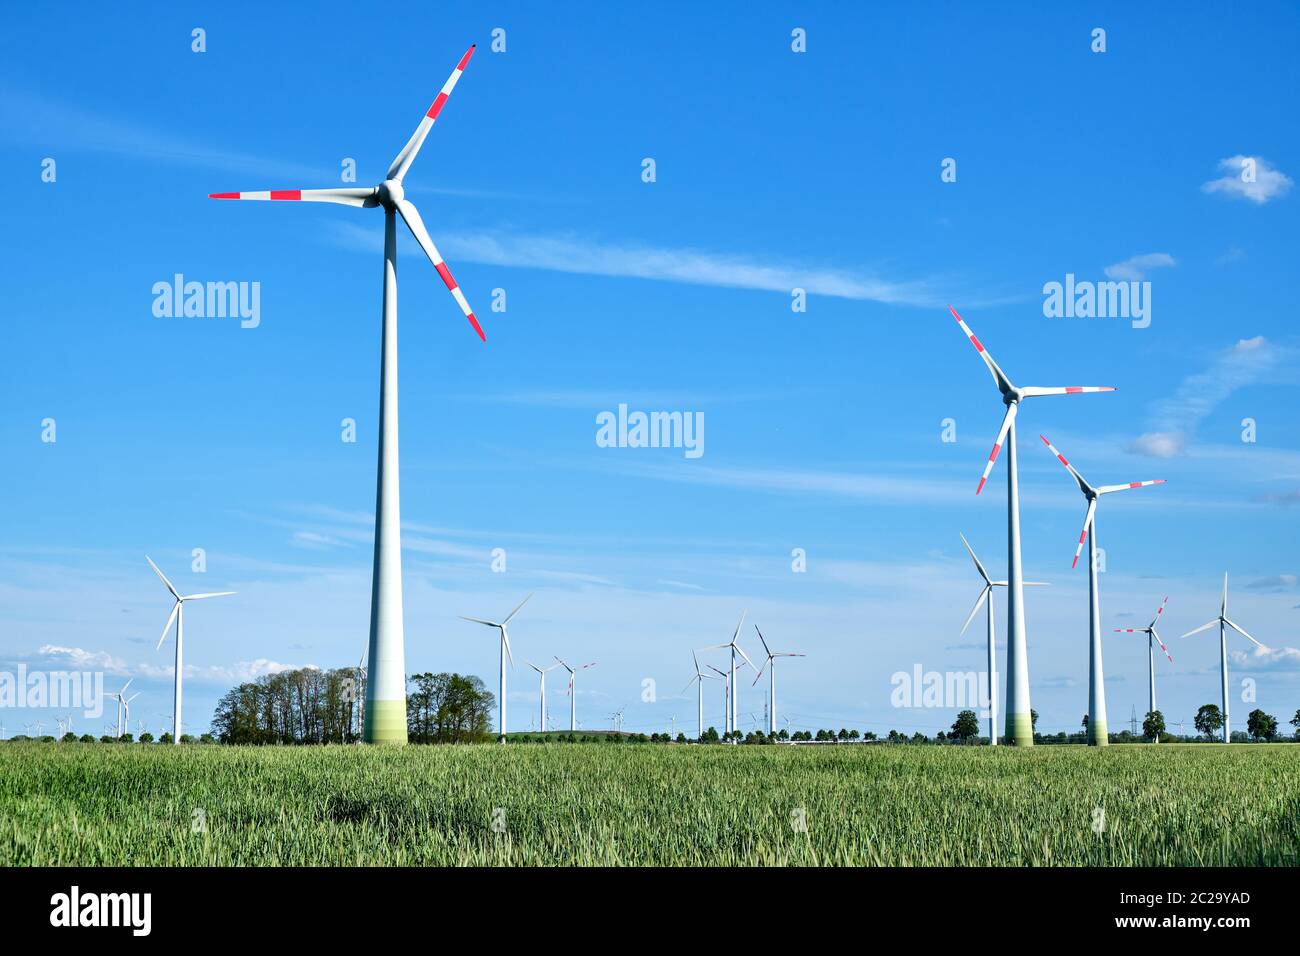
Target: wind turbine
1020,729
770,663
385,720
699,678
505,652
178,615
726,697
541,671
1096,681
1153,638
121,702
1223,622
987,594
735,649
573,694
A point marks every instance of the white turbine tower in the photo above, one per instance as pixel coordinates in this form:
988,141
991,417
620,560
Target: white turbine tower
731,681
573,694
385,718
178,615
505,652
541,671
770,663
1223,622
987,594
1019,723
121,702
1153,638
1097,729
699,678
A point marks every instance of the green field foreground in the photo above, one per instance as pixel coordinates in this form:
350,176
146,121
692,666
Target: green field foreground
574,804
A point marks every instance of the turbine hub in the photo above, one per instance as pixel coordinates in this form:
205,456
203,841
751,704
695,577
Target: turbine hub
391,193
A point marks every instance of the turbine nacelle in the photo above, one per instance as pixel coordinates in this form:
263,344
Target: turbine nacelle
390,193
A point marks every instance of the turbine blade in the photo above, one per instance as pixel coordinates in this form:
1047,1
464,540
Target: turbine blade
478,620
1003,383
759,675
763,640
1083,485
997,444
163,577
1109,489
402,162
347,196
688,684
1203,627
742,653
1242,631
1029,584
1087,523
505,639
739,624
125,686
168,626
1223,605
1162,644
132,697
210,594
515,611
1033,391
1160,610
411,216
566,666
975,610
978,567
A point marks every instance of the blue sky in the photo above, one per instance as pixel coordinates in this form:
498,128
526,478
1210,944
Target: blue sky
775,169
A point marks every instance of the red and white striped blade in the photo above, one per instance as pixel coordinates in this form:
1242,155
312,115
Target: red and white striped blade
411,216
350,196
1156,635
1160,610
1108,489
403,160
1083,535
1032,391
1083,485
1129,630
997,445
1003,383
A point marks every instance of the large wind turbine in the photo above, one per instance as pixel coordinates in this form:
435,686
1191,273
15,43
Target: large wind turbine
700,677
1223,622
385,718
573,694
541,671
178,615
505,652
987,594
1097,729
1153,638
1020,728
770,663
735,649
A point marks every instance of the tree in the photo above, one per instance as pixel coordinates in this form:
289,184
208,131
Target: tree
147,738
1261,726
1154,725
966,726
87,739
1209,720
69,738
1295,722
1033,721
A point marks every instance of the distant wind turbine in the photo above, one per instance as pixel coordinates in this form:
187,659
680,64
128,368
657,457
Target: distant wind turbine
541,672
987,594
385,720
770,664
1153,638
505,652
121,703
1223,622
731,681
1097,730
699,679
178,615
1020,729
573,694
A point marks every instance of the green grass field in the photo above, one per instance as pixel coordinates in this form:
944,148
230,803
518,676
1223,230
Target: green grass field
80,804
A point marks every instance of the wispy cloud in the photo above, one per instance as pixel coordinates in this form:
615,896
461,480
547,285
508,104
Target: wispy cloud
1136,267
1249,177
1243,364
585,256
842,484
1268,658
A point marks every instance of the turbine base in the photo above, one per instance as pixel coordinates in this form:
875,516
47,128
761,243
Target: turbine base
1020,730
386,722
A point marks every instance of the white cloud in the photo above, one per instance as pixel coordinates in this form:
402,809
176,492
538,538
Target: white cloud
1135,268
78,658
1268,658
1177,417
572,254
1268,183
